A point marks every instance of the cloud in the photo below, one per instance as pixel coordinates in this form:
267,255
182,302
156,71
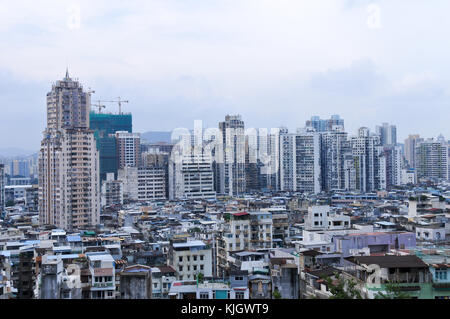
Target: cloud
275,62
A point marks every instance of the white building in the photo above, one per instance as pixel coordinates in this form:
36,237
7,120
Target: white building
431,233
300,156
191,177
191,258
103,279
2,187
408,177
321,218
432,160
335,146
230,164
128,148
366,150
151,183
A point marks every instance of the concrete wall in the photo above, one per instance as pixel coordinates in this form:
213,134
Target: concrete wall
135,287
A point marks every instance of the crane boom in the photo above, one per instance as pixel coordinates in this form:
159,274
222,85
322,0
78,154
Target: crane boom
119,101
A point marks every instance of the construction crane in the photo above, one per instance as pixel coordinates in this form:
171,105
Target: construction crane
119,101
100,106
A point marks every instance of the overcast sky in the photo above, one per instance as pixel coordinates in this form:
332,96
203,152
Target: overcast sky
275,62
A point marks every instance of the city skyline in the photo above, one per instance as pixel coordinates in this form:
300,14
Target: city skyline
272,64
243,151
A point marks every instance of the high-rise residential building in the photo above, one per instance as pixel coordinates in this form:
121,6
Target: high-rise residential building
20,167
335,146
307,153
410,149
191,177
432,160
252,162
366,150
230,167
2,188
69,187
325,125
105,127
261,159
388,134
128,149
154,158
287,175
393,163
152,183
300,160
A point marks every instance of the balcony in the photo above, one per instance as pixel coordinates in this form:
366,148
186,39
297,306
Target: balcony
103,286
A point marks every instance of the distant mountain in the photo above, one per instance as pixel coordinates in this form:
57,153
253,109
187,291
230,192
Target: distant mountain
14,151
157,136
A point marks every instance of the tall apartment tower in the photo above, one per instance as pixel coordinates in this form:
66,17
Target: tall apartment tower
69,188
366,151
2,188
300,162
432,159
128,149
388,134
392,155
335,146
325,125
231,168
410,149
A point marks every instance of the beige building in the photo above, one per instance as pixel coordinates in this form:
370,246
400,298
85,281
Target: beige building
243,231
69,192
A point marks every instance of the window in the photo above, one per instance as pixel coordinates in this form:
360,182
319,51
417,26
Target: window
239,295
441,274
204,295
201,257
180,259
195,257
201,267
180,268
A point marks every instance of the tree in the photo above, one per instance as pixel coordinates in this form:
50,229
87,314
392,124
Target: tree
342,288
200,277
393,291
276,294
